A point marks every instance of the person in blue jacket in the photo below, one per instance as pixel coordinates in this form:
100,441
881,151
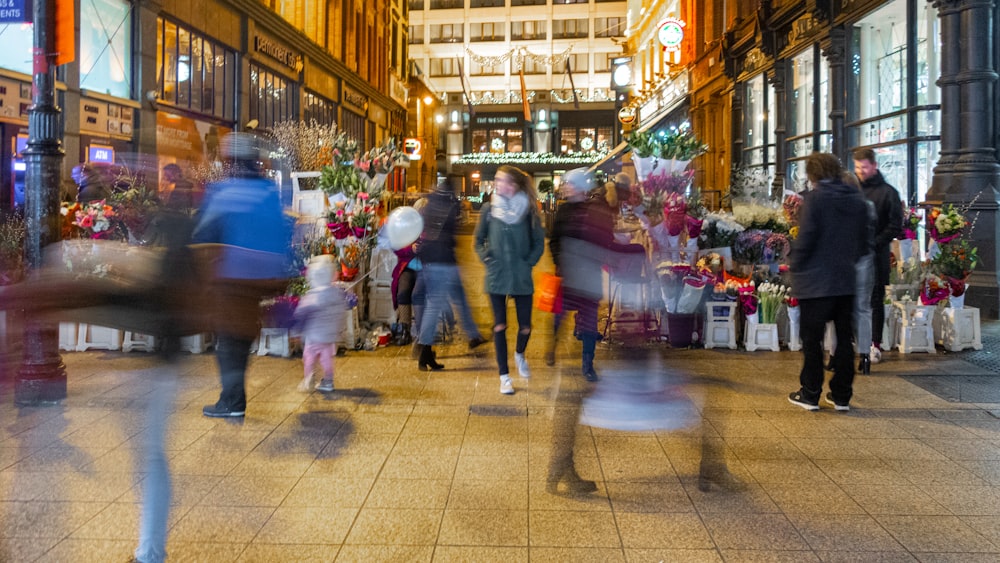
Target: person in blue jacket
251,240
510,241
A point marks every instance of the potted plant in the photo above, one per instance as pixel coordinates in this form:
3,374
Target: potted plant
954,263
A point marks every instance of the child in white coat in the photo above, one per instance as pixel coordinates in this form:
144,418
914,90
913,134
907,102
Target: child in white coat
320,315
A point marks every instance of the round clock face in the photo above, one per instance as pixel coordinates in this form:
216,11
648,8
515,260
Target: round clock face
497,144
586,143
670,34
622,75
626,114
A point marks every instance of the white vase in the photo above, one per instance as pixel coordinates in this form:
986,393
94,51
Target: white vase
794,339
957,302
643,166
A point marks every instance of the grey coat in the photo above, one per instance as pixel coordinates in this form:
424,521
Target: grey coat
509,251
320,314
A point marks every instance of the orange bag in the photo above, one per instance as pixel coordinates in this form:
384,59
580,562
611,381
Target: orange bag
548,294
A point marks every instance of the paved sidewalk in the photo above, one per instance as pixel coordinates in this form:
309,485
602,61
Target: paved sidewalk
402,465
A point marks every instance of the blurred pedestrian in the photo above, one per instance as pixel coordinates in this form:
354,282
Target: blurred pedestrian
888,226
180,194
242,216
509,240
436,250
833,237
582,243
320,317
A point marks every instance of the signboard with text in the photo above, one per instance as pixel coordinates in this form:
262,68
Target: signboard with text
15,11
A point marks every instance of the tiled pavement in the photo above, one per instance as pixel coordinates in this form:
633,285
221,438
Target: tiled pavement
401,465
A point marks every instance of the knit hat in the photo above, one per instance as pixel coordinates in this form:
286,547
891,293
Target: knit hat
239,146
577,182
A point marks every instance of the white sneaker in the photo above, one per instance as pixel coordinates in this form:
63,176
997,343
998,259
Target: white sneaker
522,366
876,355
506,387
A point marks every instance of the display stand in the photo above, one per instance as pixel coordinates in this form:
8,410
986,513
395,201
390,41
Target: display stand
274,342
916,329
720,324
98,337
311,203
68,333
138,342
959,329
761,336
197,343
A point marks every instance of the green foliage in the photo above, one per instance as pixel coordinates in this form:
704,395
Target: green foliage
341,178
644,144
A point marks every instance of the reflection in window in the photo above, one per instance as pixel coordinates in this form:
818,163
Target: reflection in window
416,34
568,29
882,70
444,67
487,31
447,33
106,47
758,106
528,29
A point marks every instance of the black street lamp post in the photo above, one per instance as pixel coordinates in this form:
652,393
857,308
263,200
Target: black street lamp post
42,375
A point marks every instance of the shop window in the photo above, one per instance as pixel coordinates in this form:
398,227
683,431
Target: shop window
319,109
532,66
528,30
528,2
758,139
416,34
447,33
486,4
272,97
106,47
444,67
195,73
478,69
416,5
570,29
609,27
447,4
487,31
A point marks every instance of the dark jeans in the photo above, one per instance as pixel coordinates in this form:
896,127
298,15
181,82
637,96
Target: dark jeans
232,354
878,314
815,314
522,307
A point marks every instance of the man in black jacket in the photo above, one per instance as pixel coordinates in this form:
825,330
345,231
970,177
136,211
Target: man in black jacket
889,225
833,236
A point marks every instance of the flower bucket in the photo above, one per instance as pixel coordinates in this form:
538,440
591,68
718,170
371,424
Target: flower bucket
348,273
643,166
677,166
682,329
957,301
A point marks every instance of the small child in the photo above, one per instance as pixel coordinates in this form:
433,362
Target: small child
320,316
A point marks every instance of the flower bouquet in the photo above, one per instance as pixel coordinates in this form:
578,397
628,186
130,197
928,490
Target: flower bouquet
135,208
94,219
934,290
719,231
350,255
791,207
911,222
770,296
945,223
953,263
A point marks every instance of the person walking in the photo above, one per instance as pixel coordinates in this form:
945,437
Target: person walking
509,240
888,226
833,237
439,273
320,314
582,242
242,222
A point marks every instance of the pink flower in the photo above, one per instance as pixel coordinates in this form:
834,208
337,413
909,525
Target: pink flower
363,196
87,221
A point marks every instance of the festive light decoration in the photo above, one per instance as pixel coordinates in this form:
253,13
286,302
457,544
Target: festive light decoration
518,158
517,56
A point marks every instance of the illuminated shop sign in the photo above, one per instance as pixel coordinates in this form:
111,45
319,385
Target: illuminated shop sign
670,33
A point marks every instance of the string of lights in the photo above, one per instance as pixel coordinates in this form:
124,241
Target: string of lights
517,55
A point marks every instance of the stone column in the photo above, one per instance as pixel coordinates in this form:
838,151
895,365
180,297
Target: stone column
777,80
41,378
834,51
737,125
951,126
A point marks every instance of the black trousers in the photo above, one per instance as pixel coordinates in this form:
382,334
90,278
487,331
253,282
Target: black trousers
815,314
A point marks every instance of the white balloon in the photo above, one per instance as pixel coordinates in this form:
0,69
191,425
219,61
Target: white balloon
404,227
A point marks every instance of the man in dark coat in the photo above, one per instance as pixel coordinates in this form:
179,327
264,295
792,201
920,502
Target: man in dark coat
833,236
889,225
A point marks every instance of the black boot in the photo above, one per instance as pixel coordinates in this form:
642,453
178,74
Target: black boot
428,361
589,346
574,483
865,365
829,364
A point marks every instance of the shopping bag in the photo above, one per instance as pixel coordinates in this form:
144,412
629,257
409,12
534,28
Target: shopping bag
548,294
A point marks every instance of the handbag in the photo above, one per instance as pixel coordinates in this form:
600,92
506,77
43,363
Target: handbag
549,294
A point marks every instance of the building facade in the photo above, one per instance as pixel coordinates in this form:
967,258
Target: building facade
161,82
486,58
914,80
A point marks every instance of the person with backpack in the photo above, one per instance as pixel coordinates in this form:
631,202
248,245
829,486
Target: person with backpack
509,240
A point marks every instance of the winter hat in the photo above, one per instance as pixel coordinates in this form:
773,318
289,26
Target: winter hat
577,182
320,271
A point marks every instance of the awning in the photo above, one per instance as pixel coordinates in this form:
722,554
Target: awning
610,159
672,113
